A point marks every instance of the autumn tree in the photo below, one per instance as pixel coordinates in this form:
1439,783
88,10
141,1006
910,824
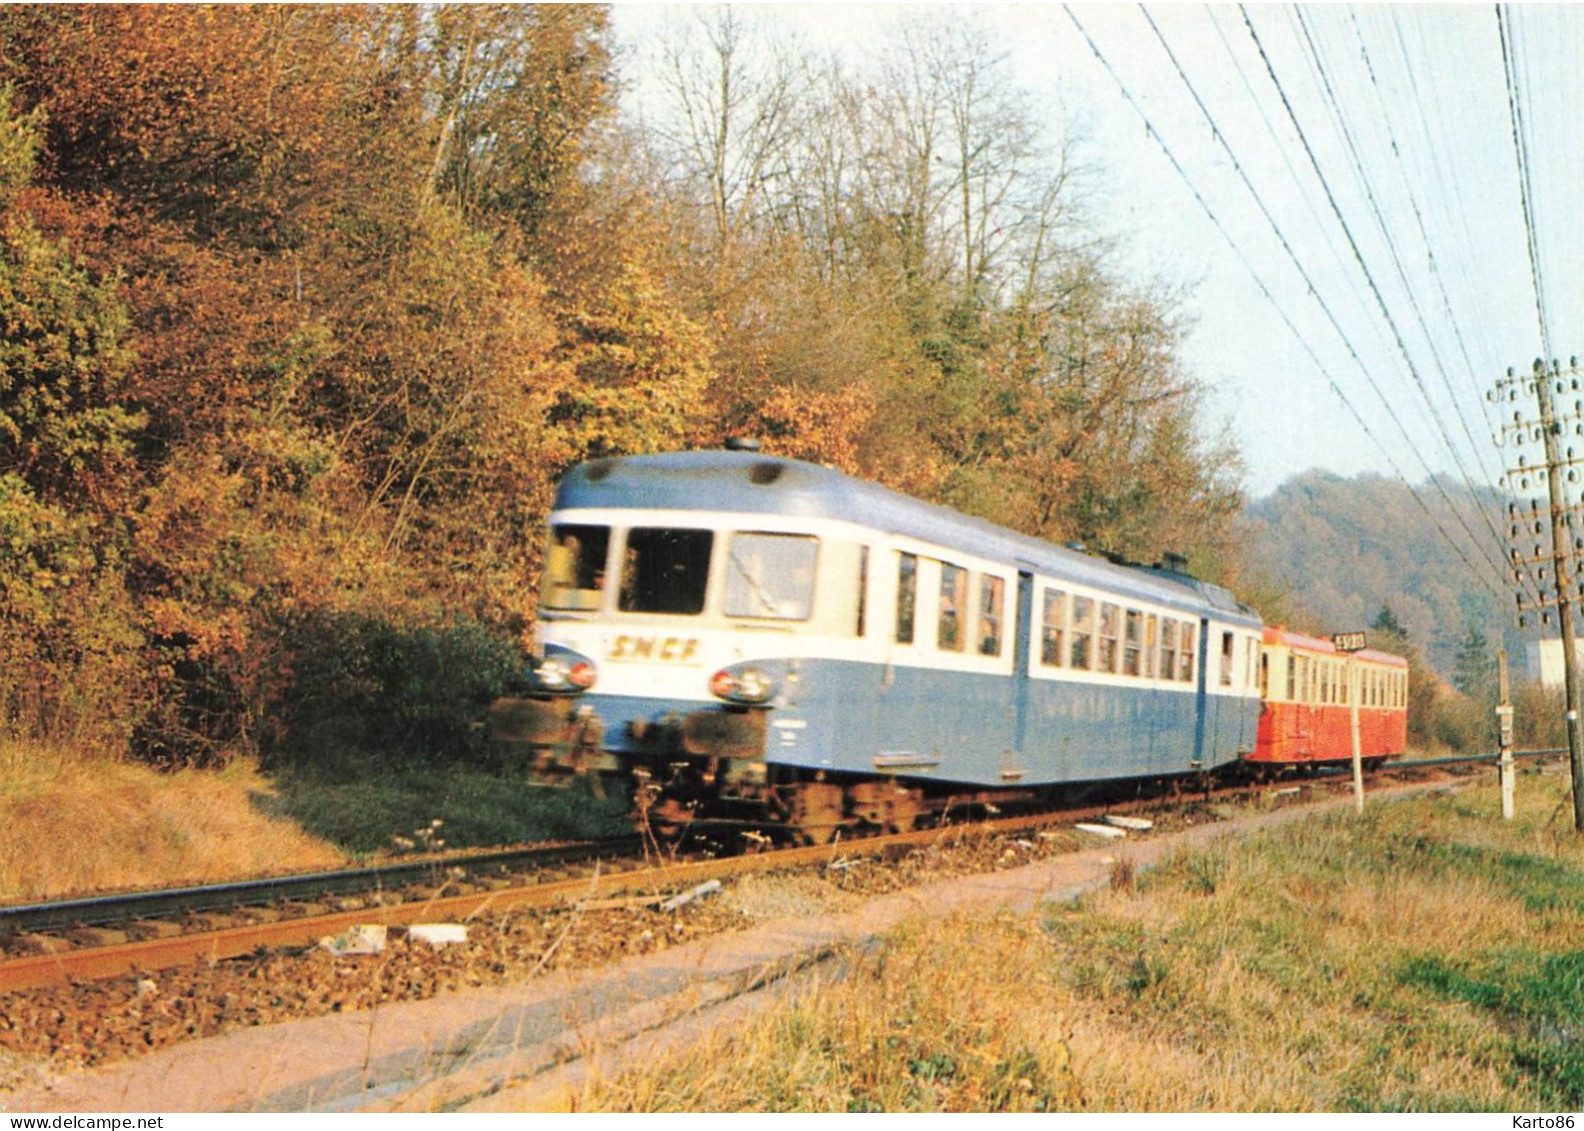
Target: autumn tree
340,352
69,637
901,241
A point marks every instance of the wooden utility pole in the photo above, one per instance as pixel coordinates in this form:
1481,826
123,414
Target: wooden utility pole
1562,577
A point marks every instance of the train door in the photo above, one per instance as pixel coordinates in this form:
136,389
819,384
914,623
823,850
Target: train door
1020,664
1203,701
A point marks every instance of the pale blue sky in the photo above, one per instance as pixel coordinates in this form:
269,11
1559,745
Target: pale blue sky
1433,135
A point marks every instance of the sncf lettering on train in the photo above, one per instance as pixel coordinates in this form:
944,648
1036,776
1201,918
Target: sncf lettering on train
666,649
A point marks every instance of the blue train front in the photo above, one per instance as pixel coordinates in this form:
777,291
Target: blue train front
761,640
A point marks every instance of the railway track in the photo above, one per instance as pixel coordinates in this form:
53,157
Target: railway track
104,937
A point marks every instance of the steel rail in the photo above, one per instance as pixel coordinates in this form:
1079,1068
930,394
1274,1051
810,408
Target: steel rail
120,907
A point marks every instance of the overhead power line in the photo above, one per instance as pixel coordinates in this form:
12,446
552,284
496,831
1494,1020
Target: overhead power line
1525,181
1479,574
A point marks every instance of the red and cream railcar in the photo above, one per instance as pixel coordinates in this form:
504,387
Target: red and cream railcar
1307,688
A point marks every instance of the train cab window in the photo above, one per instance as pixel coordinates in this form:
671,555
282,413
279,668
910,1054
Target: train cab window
1110,627
771,576
575,566
1132,642
1187,652
1053,625
950,629
1083,627
907,597
1168,648
665,570
1227,654
992,606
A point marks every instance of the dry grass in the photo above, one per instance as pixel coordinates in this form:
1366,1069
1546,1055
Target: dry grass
71,824
1424,957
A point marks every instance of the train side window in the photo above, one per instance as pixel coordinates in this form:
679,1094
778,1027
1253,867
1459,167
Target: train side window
1168,648
771,576
1292,677
907,597
665,570
1151,643
863,590
949,627
1083,626
1132,641
1053,627
992,601
1110,626
1227,653
575,566
1188,652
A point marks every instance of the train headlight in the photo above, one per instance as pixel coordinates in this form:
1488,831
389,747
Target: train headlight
742,685
563,672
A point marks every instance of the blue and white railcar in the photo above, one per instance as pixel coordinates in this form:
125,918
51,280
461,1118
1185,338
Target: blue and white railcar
765,633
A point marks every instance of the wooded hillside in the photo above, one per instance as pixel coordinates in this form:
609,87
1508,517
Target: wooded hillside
303,309
1344,549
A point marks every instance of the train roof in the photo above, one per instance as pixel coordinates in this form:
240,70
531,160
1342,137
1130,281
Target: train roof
752,482
1279,634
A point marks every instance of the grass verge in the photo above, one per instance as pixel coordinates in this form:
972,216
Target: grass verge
72,823
1423,957
369,808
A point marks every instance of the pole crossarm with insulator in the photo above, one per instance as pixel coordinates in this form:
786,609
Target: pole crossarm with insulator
1546,538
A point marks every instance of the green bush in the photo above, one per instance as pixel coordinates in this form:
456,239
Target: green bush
359,687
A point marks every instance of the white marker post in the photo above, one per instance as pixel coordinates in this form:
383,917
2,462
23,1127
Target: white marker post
1349,643
1504,735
